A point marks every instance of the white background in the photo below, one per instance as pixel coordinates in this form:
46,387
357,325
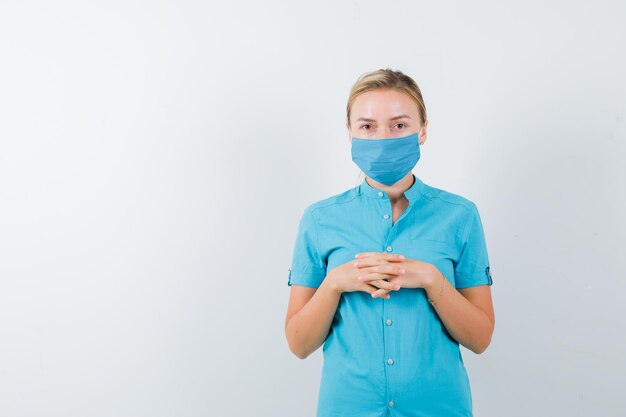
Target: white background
155,158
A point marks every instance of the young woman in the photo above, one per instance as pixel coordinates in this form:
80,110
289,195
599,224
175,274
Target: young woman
391,275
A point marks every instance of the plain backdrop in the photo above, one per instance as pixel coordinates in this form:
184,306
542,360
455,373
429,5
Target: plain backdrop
156,156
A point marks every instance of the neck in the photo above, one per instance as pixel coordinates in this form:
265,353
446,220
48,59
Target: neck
394,191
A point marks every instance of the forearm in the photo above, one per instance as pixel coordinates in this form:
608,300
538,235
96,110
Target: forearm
464,321
308,328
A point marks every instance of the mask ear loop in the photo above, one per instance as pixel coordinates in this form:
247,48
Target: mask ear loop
420,136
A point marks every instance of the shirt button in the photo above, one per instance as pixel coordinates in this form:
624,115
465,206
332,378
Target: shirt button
386,216
380,193
389,248
390,361
388,322
391,404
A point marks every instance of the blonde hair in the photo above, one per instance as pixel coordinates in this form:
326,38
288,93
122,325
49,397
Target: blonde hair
387,78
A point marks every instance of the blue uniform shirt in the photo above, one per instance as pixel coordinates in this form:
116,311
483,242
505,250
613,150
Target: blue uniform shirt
392,357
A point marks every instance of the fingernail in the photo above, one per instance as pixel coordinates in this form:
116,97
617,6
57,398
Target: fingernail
401,256
357,255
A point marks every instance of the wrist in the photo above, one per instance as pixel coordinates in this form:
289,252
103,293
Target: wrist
434,280
434,292
331,284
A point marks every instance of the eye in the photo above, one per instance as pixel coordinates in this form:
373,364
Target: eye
401,124
362,126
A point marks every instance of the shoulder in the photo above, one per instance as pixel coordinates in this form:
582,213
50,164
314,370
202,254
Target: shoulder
448,199
329,203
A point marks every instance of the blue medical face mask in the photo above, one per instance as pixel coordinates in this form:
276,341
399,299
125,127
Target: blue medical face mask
386,160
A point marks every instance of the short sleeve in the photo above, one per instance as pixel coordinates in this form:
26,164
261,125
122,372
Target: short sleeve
472,267
307,266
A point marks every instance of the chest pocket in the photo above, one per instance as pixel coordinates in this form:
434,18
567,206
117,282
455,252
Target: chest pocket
439,253
431,251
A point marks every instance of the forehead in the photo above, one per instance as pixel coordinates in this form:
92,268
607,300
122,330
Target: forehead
383,104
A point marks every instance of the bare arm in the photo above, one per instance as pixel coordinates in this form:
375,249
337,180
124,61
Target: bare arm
467,313
309,316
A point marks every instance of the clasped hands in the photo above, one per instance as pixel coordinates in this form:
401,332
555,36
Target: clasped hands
380,273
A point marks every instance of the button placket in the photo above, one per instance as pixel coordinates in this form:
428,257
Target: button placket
391,228
387,247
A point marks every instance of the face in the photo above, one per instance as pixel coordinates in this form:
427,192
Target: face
385,113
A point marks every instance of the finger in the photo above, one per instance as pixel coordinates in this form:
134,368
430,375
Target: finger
383,287
370,289
380,293
393,257
370,260
384,255
372,276
386,285
361,263
373,262
384,268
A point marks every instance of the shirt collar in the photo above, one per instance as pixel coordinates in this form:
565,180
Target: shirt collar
412,194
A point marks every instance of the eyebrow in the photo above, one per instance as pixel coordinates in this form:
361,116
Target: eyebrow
393,118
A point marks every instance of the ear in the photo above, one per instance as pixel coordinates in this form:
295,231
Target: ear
349,134
424,133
